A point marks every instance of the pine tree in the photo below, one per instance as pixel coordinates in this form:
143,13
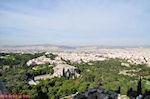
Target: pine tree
63,72
119,89
68,74
139,87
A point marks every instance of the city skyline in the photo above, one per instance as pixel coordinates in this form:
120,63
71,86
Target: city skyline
74,22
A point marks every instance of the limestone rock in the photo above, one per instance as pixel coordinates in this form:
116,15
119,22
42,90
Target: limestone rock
68,69
125,64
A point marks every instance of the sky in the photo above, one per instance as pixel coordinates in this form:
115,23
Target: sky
75,22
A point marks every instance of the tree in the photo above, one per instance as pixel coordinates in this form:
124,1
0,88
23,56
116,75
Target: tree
50,70
131,93
119,89
63,72
98,81
68,74
139,87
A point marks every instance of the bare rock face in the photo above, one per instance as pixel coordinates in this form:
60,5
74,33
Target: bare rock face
68,70
39,60
125,64
97,93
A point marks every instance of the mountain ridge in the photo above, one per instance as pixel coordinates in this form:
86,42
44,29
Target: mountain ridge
74,47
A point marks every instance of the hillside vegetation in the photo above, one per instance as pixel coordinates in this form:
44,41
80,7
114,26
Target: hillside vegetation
108,74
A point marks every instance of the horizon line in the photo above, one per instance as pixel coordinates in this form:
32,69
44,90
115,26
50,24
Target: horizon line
73,45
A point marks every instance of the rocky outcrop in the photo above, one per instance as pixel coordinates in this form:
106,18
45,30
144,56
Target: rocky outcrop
32,82
67,69
43,60
43,77
39,60
125,64
97,93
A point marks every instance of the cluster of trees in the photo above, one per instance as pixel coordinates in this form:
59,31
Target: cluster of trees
134,93
40,70
51,56
14,78
54,88
18,73
18,59
103,74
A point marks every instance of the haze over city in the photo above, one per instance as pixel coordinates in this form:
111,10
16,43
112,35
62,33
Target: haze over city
75,22
75,49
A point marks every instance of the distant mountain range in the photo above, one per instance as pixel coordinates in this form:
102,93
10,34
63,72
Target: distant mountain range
38,45
71,47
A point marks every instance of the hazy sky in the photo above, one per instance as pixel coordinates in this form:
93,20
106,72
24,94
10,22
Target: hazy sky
77,22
